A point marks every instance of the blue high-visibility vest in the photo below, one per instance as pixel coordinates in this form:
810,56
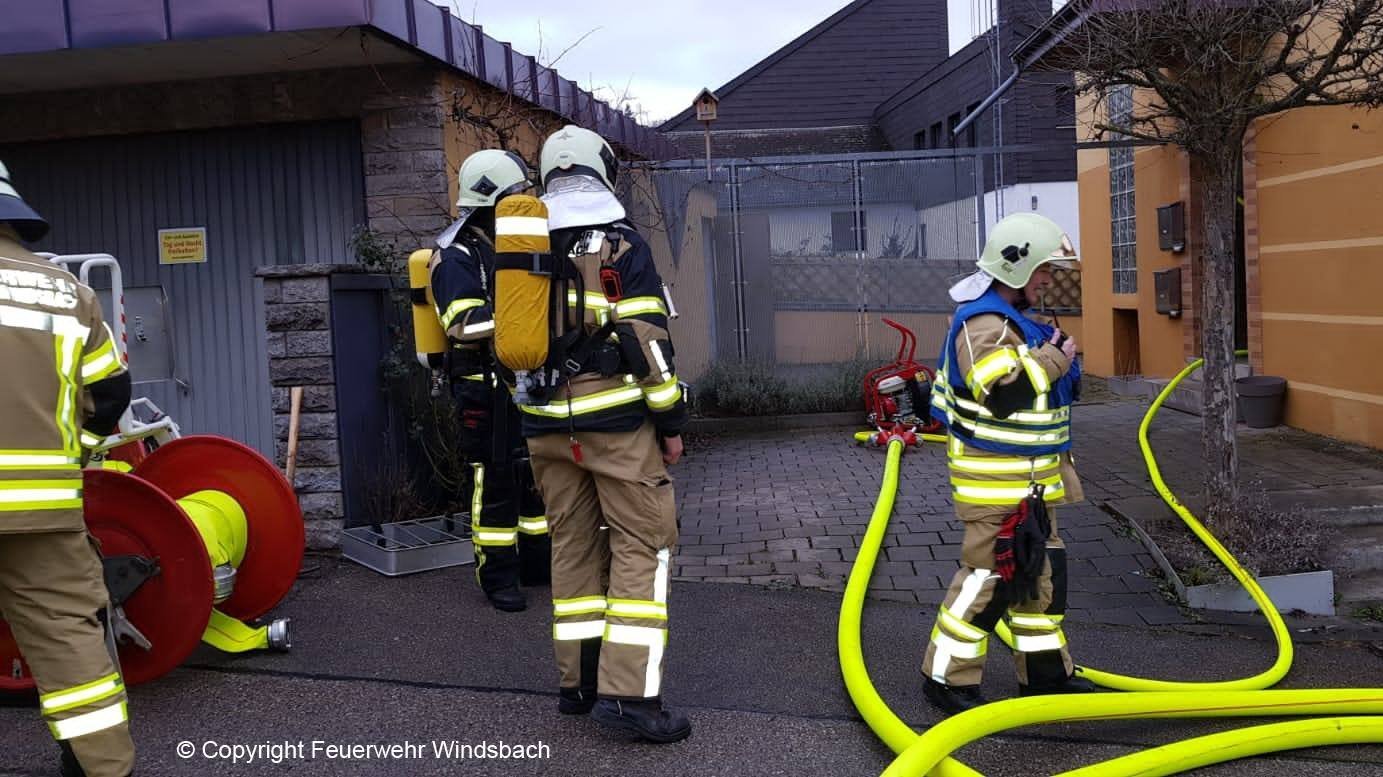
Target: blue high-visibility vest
1044,428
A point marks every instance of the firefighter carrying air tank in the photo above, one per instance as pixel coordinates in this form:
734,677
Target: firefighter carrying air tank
603,413
508,526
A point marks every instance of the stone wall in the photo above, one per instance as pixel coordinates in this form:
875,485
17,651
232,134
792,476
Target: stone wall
407,189
297,312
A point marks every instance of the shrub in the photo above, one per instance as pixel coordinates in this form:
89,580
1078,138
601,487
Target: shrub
1266,540
757,388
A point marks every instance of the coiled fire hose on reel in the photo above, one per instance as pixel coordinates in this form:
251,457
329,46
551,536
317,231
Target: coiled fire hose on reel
930,753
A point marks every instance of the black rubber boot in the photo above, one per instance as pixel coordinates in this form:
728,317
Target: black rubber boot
952,699
646,719
575,701
508,599
1071,684
70,767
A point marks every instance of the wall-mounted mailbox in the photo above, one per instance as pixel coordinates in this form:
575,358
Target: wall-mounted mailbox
1167,285
1171,227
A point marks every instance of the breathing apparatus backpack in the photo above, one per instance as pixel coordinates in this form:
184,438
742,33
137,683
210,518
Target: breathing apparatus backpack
533,281
428,338
523,289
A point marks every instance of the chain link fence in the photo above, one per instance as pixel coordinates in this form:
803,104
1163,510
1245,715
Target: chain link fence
794,262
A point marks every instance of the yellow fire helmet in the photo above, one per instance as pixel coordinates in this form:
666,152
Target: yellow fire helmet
14,210
574,150
485,178
1017,246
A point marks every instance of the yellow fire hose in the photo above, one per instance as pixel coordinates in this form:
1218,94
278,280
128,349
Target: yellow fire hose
221,522
930,753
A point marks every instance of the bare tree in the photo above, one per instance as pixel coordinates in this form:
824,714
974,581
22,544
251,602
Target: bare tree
1202,72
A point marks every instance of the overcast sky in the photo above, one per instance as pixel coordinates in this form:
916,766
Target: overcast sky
660,54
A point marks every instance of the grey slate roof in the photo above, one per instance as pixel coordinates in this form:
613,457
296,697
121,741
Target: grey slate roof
1039,110
747,144
836,73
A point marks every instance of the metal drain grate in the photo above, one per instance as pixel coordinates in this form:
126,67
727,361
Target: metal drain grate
407,547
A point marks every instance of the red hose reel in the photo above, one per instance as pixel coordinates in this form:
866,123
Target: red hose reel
144,523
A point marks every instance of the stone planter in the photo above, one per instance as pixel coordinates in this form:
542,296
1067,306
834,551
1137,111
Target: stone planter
1127,385
1310,592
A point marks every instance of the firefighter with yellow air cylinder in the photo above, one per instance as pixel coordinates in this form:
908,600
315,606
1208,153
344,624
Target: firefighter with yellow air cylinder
581,322
1004,387
508,526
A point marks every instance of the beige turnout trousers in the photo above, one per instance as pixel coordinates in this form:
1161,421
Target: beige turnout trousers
975,603
609,585
51,589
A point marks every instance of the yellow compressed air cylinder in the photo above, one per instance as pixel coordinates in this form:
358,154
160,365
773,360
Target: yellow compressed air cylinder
430,340
521,293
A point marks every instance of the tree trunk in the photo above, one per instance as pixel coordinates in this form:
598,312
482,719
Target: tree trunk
1219,191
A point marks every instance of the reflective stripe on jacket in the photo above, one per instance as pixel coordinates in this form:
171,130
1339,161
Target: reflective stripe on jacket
54,343
990,343
992,461
590,402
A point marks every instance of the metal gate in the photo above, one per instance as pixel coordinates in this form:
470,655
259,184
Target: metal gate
805,255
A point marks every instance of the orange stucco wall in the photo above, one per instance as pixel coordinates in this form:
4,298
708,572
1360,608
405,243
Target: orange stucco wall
1315,258
1320,193
1157,350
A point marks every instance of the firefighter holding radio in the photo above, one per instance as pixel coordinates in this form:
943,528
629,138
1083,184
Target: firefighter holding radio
1004,389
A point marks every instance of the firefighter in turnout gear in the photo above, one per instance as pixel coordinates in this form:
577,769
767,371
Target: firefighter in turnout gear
509,528
601,444
65,385
1004,389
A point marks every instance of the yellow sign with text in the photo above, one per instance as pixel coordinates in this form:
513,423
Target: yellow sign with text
182,246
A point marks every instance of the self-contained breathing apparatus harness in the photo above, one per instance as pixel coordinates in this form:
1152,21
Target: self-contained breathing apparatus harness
572,350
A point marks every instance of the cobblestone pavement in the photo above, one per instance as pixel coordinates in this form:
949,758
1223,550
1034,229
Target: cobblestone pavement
790,508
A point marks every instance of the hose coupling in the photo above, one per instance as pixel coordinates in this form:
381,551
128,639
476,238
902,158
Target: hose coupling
279,640
223,583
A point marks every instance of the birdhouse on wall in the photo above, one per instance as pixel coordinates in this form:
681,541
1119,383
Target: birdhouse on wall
705,104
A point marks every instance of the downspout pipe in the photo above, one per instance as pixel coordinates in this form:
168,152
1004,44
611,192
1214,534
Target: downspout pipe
988,101
1031,50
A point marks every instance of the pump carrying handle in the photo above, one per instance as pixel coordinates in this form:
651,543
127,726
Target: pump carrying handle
909,343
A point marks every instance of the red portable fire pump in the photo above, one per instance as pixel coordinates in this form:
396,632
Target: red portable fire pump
897,396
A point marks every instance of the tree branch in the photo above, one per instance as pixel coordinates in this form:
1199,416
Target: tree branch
1355,19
